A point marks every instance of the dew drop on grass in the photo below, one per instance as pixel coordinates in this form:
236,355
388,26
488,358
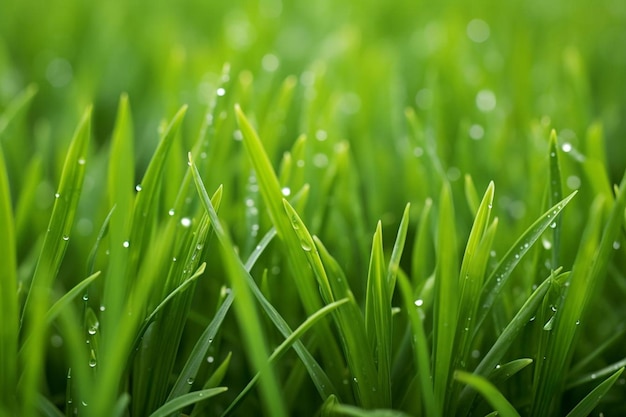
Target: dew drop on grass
305,245
102,308
237,135
616,245
86,297
138,187
486,100
476,132
419,302
185,222
220,92
171,212
57,195
286,191
210,359
81,161
66,238
126,244
92,362
190,381
321,135
567,147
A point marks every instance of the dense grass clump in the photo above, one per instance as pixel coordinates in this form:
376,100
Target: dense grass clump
324,208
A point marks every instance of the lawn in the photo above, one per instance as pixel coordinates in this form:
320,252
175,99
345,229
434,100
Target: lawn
273,207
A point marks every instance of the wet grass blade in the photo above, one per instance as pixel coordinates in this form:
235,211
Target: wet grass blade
69,296
489,392
420,347
498,278
333,285
378,315
296,260
587,276
244,307
556,195
183,401
591,400
445,310
48,264
284,347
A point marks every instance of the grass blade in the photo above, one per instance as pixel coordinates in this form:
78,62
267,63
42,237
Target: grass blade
378,315
556,195
52,252
586,406
494,284
9,310
248,317
284,346
445,311
183,401
489,392
420,346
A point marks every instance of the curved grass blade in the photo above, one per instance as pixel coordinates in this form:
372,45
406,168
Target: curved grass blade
244,308
497,279
284,346
69,296
184,400
305,283
591,400
504,372
9,309
489,392
196,358
47,408
398,249
52,252
333,285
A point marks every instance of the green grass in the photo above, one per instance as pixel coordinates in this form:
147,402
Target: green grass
325,208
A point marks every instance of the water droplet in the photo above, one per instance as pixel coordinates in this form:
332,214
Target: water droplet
185,222
174,259
305,245
549,324
320,160
498,366
171,212
553,225
102,308
577,322
567,147
300,163
190,380
86,297
220,92
249,202
57,195
126,244
547,245
616,245
237,135
66,238
81,161
138,187
419,302
210,359
84,404
92,362
593,376
199,246
356,381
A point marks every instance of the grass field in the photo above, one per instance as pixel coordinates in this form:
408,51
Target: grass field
274,207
